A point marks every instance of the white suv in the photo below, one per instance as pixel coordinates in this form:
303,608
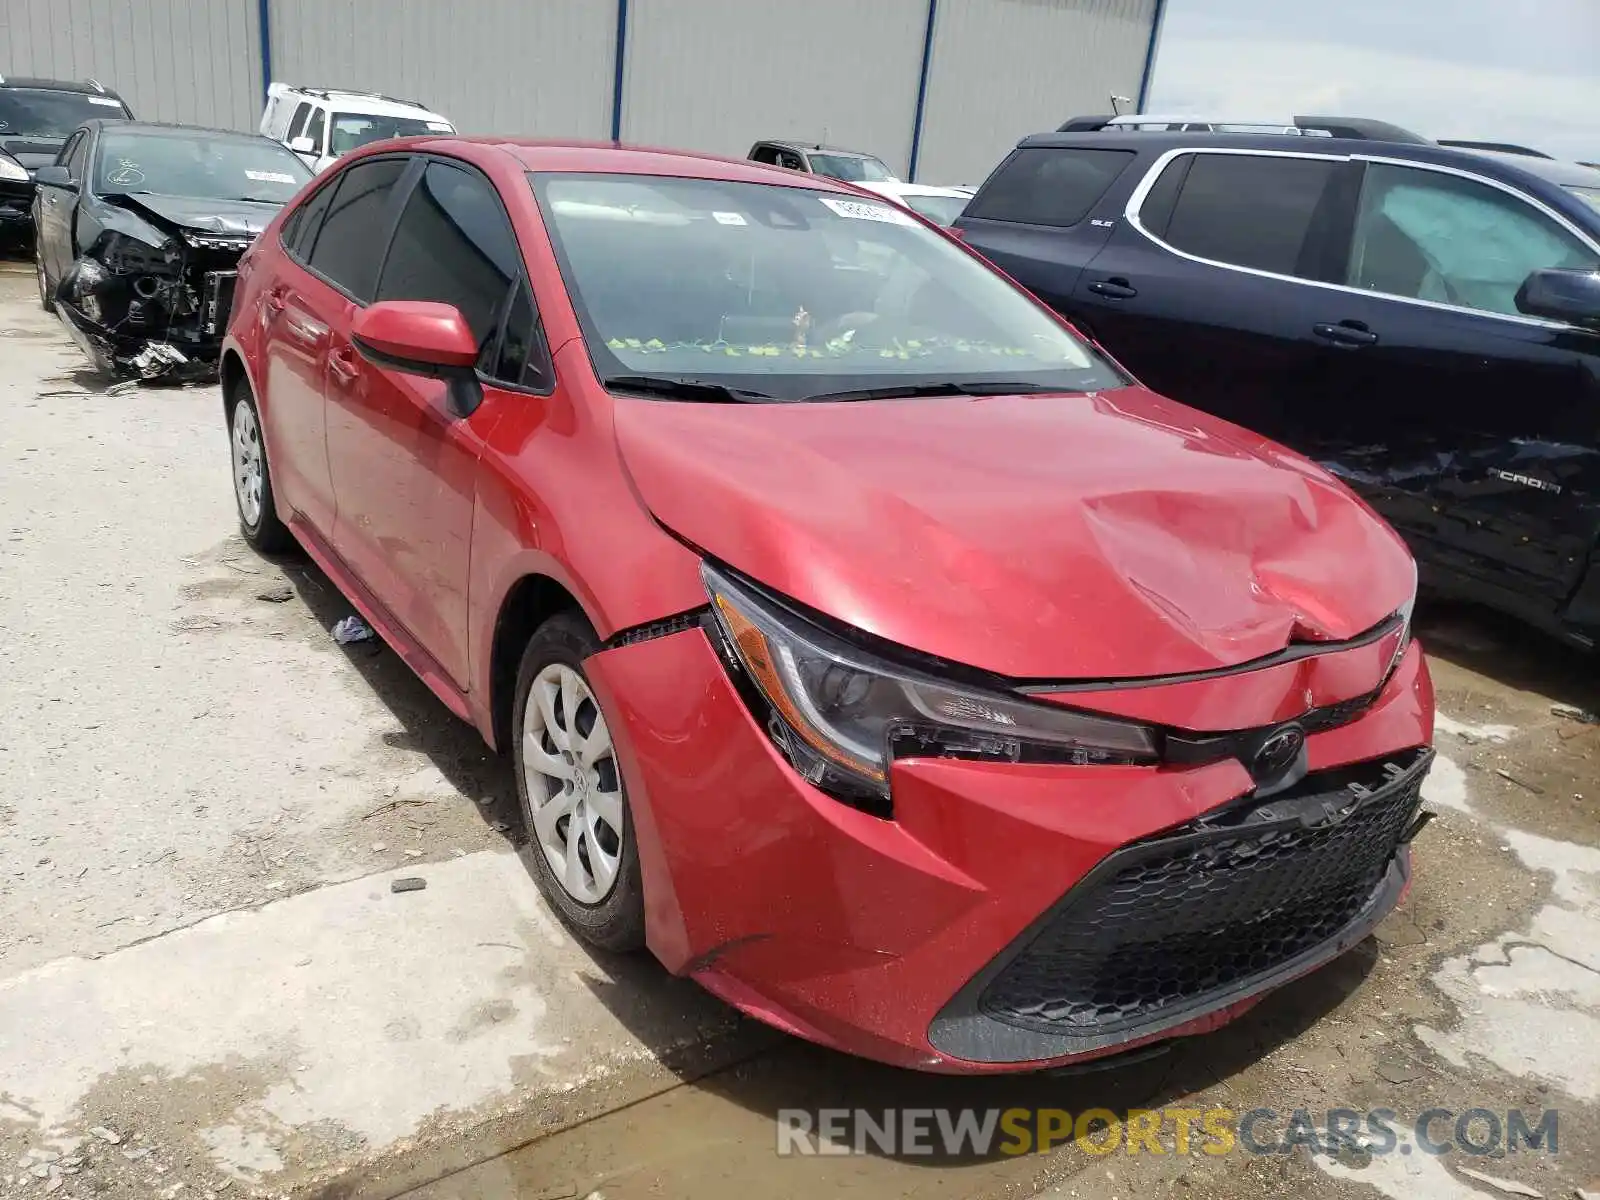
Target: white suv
320,124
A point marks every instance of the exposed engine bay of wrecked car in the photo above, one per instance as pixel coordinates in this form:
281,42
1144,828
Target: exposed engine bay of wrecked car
151,296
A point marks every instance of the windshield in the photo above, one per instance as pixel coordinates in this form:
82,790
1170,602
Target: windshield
217,166
1590,195
351,130
30,112
792,293
852,168
941,210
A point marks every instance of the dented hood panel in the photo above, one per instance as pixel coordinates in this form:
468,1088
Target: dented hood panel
1108,536
240,217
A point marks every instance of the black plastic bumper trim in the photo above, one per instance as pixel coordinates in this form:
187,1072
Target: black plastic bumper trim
963,1030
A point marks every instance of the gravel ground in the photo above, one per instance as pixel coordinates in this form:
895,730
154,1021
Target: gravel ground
208,988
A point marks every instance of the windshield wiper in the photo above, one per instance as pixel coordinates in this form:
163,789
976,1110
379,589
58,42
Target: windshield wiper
948,387
685,389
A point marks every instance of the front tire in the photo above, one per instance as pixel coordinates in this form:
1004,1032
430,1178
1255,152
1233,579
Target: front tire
581,836
45,300
252,478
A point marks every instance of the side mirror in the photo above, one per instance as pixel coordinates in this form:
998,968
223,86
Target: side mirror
418,337
1561,295
303,145
55,176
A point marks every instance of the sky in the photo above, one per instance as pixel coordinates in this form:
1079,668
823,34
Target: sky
1525,71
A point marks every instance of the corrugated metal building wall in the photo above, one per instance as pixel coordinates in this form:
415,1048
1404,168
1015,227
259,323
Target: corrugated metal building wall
1002,69
538,68
194,61
719,75
710,75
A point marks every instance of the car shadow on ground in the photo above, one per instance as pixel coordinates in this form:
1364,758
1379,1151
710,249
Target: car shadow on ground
426,726
1508,651
793,1074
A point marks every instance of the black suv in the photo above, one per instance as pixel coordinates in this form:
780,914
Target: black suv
1422,321
36,115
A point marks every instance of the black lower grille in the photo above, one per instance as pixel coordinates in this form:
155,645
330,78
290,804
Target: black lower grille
1204,908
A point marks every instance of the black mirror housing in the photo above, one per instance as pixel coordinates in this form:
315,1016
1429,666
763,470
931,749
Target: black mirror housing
55,176
1562,295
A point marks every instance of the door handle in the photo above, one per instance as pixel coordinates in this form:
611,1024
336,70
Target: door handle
342,364
1346,333
275,301
1114,288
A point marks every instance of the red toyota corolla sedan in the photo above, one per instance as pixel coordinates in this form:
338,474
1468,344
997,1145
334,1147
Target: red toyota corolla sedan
868,643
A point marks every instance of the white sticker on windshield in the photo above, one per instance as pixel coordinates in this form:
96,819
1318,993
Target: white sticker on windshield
858,210
104,101
729,218
440,127
269,176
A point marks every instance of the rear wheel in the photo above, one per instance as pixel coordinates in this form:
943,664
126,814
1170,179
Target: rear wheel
252,478
45,300
580,830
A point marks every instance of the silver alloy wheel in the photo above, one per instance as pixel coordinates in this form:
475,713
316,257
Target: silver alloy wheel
574,788
248,463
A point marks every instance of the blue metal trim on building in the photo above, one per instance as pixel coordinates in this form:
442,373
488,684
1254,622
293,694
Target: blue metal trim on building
616,89
264,18
1150,53
922,90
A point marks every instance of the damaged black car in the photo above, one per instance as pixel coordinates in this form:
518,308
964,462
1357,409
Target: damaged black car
139,231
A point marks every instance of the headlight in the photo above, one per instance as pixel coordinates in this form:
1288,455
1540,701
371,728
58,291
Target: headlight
838,711
125,255
1404,613
11,169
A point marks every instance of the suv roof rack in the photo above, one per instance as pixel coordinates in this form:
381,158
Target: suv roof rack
329,93
1355,128
1498,147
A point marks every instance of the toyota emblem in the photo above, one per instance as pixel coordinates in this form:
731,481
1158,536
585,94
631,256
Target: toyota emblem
1279,752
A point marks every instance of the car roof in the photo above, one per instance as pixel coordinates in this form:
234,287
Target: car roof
579,157
361,103
168,129
1567,174
815,147
1506,167
40,84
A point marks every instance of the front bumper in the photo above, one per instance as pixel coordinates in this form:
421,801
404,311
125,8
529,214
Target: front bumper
884,938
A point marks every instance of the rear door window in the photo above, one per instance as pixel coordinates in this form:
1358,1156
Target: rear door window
300,230
299,121
1045,186
1427,235
1248,210
348,248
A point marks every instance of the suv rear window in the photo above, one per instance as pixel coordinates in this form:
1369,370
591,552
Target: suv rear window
1046,186
1247,210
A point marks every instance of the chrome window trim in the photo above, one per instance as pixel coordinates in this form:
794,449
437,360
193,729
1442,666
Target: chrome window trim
1136,200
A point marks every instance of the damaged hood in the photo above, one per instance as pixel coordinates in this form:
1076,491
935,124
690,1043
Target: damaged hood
244,218
1104,536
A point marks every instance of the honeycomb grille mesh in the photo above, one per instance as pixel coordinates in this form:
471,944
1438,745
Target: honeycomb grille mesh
1175,923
